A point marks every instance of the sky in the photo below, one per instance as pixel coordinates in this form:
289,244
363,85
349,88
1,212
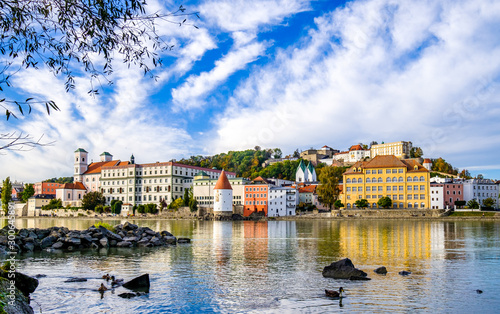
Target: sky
292,74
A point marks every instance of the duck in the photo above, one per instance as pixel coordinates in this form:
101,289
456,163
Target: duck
333,293
107,277
116,282
102,288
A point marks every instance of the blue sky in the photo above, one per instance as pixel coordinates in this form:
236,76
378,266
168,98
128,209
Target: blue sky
289,74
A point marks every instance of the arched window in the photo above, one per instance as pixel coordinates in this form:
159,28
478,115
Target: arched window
394,179
409,205
374,180
400,179
360,180
415,179
401,205
368,180
416,205
422,205
388,180
348,181
374,205
348,206
422,179
380,180
409,179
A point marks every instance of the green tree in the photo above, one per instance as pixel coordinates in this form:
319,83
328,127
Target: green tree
385,202
328,190
193,205
141,209
416,152
362,203
116,207
53,204
176,204
277,153
185,199
6,195
489,202
92,199
151,208
465,174
28,192
338,204
473,204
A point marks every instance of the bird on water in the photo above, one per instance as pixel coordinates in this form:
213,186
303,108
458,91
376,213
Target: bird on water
333,293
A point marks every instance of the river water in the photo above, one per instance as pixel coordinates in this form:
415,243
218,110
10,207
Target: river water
275,266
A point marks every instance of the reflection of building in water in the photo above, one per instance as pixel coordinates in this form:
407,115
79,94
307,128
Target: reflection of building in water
282,229
386,240
222,240
256,242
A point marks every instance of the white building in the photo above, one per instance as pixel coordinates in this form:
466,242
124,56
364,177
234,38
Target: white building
356,153
223,196
437,196
203,187
281,201
399,149
305,173
480,189
71,194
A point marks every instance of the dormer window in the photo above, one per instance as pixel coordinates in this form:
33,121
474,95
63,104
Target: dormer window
415,167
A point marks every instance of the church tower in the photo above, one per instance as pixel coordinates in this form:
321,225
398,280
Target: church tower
223,196
106,156
81,164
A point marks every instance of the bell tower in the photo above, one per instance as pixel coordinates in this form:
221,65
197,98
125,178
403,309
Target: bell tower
81,164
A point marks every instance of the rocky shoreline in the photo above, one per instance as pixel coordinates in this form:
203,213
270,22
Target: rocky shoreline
125,235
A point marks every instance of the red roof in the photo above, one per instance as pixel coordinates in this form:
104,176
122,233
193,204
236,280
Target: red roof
427,161
356,147
95,167
308,189
73,186
223,182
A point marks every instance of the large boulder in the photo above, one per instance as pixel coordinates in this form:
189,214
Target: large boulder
24,283
48,241
128,226
343,269
381,270
138,283
110,234
21,302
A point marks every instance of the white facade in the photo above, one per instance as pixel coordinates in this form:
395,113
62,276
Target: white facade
352,156
223,201
480,189
81,164
203,191
305,173
282,201
437,196
399,149
71,194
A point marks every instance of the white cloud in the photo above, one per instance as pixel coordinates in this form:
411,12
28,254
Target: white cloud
376,70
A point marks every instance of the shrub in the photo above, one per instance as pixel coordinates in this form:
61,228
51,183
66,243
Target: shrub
105,225
99,209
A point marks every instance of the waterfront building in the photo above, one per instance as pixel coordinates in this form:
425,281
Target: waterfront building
445,192
46,188
261,195
282,201
256,197
36,202
480,189
203,187
399,149
71,194
223,196
406,182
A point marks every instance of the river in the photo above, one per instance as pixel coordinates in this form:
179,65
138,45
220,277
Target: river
275,266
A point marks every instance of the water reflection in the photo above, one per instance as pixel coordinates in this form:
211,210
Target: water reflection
269,266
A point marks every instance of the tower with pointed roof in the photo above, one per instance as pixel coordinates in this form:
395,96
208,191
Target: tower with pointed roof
106,156
223,196
427,164
305,173
311,173
81,164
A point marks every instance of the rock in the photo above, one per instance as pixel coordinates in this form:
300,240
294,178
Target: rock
32,235
155,241
86,238
130,239
127,295
20,304
29,239
166,233
129,226
121,234
183,240
23,233
381,270
143,242
113,243
42,233
40,276
110,234
141,282
29,247
94,246
359,278
124,244
74,241
24,283
48,241
404,273
76,279
150,232
343,269
104,242
58,245
170,240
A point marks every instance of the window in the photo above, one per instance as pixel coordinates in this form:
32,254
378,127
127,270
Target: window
400,170
367,189
368,180
379,171
348,181
367,171
422,188
409,179
409,205
380,180
388,180
422,179
415,179
360,189
400,179
380,188
401,197
348,189
360,180
409,196
409,187
401,188
388,171
388,188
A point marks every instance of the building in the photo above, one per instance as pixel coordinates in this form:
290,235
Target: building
427,164
315,155
406,182
480,189
445,192
71,194
399,149
282,201
223,196
305,173
256,197
36,202
354,154
203,187
46,188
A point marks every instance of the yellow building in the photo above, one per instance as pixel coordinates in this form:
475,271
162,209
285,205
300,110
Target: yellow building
399,149
405,181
